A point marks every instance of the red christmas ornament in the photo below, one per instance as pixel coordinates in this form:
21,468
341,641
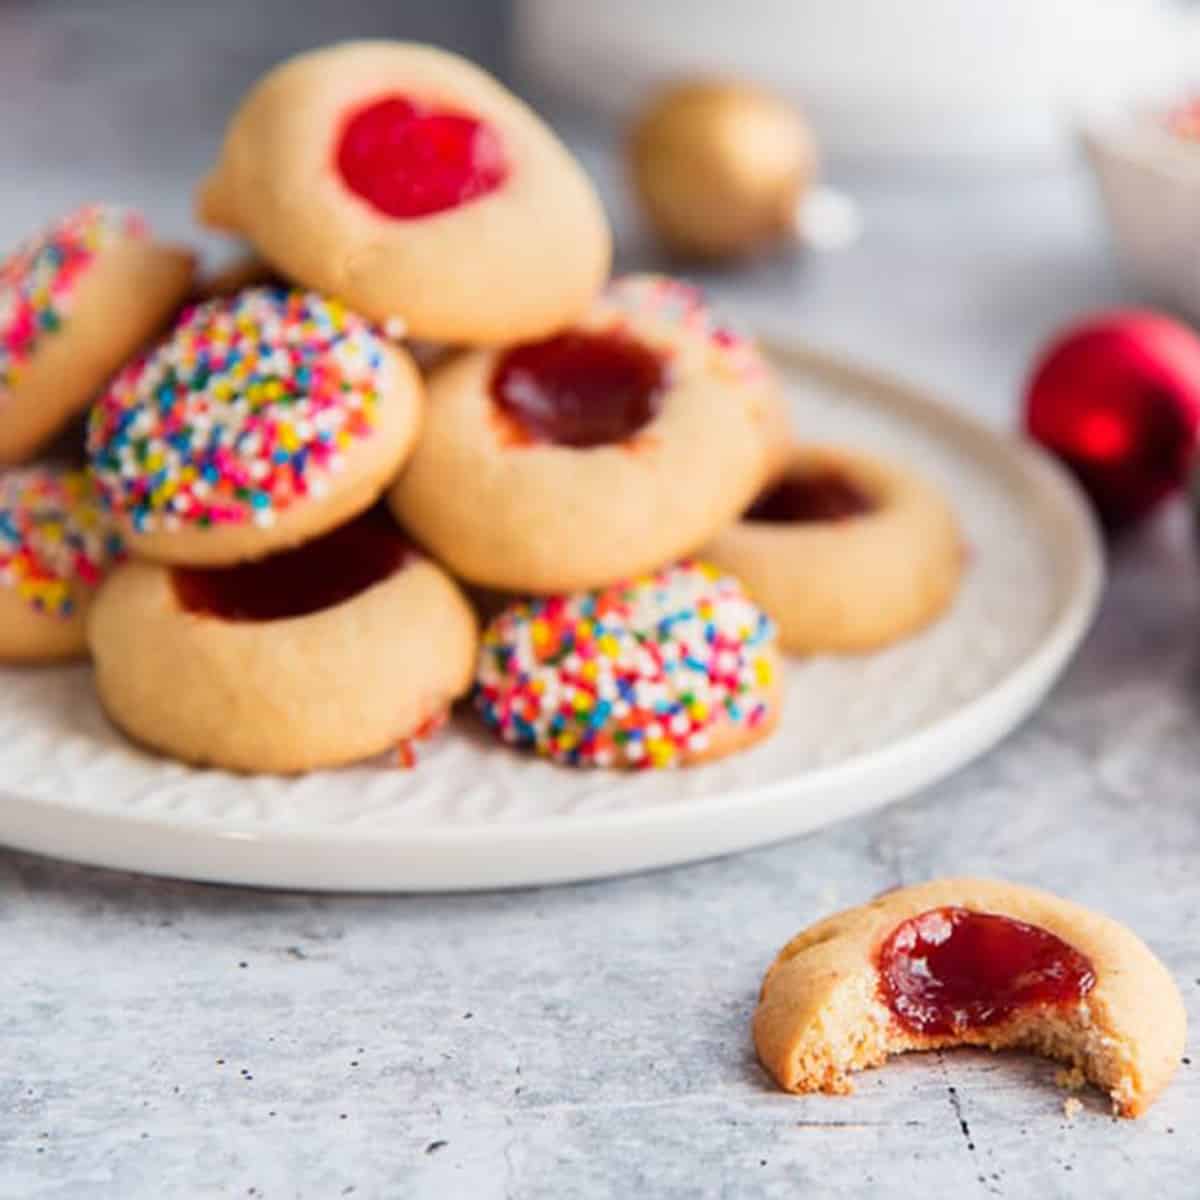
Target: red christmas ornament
1117,398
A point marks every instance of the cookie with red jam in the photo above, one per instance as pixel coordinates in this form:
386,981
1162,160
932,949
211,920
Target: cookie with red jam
971,962
411,184
848,552
600,453
338,650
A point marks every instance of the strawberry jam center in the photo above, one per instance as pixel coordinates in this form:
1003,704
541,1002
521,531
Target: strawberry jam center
318,575
408,159
951,970
580,389
824,495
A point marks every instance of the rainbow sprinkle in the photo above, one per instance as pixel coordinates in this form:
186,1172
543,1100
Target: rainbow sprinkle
408,750
245,409
54,536
678,311
632,675
38,282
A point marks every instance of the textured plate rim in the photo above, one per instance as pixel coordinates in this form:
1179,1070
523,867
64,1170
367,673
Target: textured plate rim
595,845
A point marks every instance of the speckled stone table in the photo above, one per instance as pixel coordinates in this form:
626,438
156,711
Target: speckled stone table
172,1040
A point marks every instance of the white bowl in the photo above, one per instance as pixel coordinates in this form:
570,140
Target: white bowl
1149,181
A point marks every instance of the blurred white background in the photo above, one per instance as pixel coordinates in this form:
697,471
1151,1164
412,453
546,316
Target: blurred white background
977,78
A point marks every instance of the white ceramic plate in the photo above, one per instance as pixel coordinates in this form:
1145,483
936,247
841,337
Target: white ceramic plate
856,733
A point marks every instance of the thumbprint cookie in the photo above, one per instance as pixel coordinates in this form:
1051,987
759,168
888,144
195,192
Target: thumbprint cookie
847,552
410,183
332,652
971,962
603,452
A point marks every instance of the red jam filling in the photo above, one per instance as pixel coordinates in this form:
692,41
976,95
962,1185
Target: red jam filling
580,389
951,970
407,159
294,583
825,495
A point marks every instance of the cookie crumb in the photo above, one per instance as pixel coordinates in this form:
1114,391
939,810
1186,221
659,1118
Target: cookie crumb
1071,1107
1072,1079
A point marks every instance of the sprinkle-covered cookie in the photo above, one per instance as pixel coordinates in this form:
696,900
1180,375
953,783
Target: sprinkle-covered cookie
56,544
639,674
252,408
77,302
39,281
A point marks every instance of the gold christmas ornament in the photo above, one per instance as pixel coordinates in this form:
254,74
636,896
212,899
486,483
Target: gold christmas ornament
721,167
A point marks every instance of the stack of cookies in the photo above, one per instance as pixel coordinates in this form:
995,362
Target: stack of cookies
420,399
